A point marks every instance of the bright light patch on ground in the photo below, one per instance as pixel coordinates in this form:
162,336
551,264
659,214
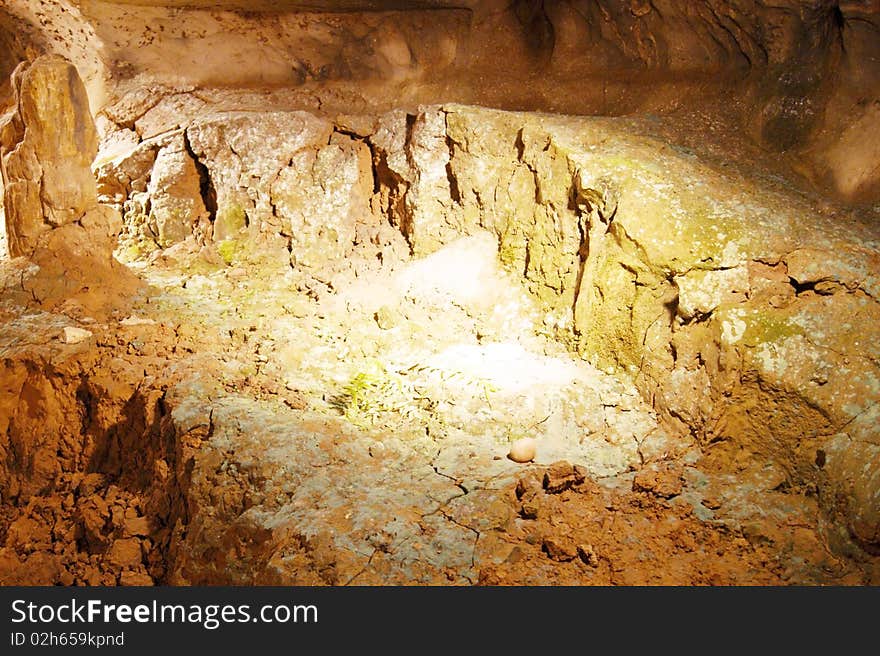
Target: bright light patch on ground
508,367
446,352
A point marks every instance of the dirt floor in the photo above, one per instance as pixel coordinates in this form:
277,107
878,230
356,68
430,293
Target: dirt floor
328,425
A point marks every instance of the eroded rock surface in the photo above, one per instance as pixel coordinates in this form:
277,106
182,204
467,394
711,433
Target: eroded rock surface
719,292
799,78
48,144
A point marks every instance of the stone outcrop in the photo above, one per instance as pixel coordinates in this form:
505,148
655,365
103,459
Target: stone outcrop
157,188
723,299
720,293
52,214
176,206
48,144
284,173
802,75
233,177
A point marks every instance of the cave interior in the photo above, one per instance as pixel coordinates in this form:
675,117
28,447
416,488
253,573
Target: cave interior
439,292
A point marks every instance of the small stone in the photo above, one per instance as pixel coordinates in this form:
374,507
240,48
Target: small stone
527,490
528,486
558,550
294,399
91,483
663,483
516,555
386,318
523,450
125,552
117,515
586,553
136,526
529,510
74,335
93,525
135,320
561,476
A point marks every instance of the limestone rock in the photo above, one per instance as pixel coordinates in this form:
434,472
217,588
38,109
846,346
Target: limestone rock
171,112
51,208
47,146
322,195
176,205
412,155
243,154
74,335
772,306
127,173
387,317
855,479
700,292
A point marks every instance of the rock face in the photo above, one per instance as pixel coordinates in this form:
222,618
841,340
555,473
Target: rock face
287,173
802,75
176,206
233,177
48,145
720,293
52,214
723,299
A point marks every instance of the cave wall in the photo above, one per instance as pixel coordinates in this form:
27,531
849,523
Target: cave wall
800,77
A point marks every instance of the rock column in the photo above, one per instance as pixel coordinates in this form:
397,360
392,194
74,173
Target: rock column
47,145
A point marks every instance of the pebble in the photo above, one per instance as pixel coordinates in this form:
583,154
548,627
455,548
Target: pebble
74,335
523,450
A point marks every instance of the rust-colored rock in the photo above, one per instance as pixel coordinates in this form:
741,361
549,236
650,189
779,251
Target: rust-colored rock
126,552
559,549
561,476
664,482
